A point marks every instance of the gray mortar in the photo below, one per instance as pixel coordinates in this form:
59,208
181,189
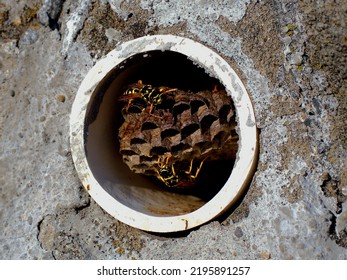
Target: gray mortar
296,204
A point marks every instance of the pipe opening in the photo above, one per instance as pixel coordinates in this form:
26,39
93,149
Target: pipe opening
169,153
105,116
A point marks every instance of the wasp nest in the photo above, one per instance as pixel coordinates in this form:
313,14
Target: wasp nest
170,133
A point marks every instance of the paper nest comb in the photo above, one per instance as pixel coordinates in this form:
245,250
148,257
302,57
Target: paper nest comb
184,130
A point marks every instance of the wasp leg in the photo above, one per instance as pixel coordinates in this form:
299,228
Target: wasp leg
197,170
160,162
151,108
173,171
150,111
167,159
169,90
190,168
129,104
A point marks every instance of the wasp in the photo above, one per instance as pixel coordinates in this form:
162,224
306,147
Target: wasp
147,95
178,178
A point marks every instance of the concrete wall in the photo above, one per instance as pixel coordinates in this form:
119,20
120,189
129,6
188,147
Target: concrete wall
291,56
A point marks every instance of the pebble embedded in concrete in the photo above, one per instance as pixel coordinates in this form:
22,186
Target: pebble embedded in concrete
296,59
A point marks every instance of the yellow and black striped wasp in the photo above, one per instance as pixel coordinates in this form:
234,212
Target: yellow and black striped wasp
177,177
146,95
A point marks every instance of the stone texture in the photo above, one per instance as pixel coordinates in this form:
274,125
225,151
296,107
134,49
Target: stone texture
291,55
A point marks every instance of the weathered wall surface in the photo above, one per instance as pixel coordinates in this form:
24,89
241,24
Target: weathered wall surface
291,56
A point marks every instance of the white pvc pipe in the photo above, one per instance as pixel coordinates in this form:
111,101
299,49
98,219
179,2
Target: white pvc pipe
129,197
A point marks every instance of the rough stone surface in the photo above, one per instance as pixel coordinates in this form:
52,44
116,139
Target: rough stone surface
291,56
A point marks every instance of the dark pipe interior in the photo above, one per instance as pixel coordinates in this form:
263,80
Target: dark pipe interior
158,68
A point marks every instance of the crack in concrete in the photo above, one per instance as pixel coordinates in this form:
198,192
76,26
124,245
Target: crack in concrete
39,230
83,206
